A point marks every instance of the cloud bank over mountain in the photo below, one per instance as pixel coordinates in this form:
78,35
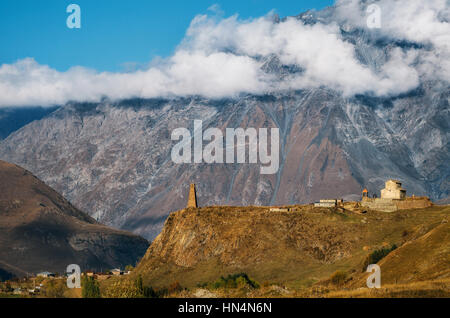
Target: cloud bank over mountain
223,57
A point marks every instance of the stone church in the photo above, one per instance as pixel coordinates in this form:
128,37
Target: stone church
393,198
393,190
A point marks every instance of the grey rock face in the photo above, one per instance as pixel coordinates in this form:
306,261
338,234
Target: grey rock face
114,160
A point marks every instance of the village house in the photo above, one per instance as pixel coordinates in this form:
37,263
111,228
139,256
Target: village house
280,210
18,291
46,275
117,272
329,203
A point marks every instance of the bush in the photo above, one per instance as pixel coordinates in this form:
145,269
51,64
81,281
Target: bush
234,281
123,289
338,278
90,288
377,255
55,288
144,291
175,288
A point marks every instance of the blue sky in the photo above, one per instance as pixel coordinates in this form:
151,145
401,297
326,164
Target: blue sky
114,33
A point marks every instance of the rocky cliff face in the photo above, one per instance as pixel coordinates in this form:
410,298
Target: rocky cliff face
13,118
199,245
41,231
112,159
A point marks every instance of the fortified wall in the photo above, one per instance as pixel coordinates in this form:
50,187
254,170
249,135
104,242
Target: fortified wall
393,198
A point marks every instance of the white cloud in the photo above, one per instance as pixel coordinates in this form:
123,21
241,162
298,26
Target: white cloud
417,21
222,57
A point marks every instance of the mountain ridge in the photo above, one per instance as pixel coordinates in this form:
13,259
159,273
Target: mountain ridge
41,231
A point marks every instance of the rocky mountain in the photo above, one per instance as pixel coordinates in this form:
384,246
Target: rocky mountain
42,231
14,118
113,158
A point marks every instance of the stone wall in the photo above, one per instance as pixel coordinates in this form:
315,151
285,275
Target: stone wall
392,205
385,205
413,203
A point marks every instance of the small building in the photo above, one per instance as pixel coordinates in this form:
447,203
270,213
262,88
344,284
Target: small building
103,276
33,291
326,203
117,272
18,291
280,210
46,274
393,190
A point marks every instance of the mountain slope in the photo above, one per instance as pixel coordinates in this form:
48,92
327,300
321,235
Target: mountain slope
14,118
424,258
41,231
291,248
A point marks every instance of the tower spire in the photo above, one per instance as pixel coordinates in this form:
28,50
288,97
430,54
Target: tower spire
192,201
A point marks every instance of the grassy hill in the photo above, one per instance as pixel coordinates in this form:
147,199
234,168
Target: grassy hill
299,250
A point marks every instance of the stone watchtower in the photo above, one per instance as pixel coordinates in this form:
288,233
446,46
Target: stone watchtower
192,201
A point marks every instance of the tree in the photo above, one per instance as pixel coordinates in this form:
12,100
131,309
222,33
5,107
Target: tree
338,278
144,291
377,256
129,268
55,288
90,288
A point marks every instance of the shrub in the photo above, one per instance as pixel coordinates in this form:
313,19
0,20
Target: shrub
55,289
377,255
338,278
174,288
90,288
160,293
129,268
240,280
123,289
144,291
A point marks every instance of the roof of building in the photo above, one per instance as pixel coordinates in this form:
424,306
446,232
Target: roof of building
46,273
